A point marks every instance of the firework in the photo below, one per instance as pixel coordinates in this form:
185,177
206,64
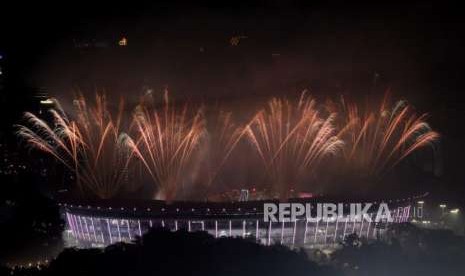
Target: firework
91,146
378,139
173,142
167,140
292,139
223,137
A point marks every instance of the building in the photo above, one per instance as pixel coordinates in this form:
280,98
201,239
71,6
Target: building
101,223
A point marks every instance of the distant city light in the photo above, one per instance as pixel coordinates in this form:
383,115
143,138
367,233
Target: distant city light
454,211
123,42
47,101
421,202
234,41
443,205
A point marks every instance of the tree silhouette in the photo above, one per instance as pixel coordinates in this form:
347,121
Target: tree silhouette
161,252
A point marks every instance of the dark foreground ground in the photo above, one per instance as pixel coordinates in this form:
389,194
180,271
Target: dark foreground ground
414,251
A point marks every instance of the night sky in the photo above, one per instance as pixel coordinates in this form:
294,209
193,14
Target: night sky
330,48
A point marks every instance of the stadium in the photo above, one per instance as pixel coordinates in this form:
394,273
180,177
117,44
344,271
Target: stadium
103,223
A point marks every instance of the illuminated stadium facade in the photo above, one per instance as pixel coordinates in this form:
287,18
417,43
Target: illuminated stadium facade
96,225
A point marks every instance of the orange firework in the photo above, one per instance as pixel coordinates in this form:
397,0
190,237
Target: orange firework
292,139
223,136
167,139
91,145
378,139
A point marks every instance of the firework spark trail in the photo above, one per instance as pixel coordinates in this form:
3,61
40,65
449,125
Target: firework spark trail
91,146
378,139
167,141
223,137
292,139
